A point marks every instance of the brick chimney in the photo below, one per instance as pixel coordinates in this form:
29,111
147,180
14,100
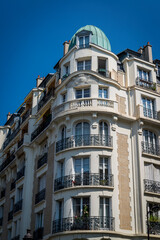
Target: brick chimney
39,80
147,53
66,46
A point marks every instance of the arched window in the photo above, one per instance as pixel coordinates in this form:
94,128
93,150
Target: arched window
63,133
103,133
82,134
149,144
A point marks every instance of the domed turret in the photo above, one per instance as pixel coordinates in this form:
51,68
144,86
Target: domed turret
97,37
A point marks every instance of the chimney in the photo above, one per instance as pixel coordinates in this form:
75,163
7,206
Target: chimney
39,80
8,116
66,46
147,52
140,50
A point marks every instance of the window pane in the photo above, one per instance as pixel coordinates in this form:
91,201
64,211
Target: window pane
86,128
80,66
100,92
80,41
85,165
88,65
105,93
79,93
76,207
79,129
77,165
86,41
86,93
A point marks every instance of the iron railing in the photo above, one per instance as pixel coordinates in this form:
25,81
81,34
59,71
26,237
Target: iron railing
40,196
150,113
10,137
83,223
7,162
38,234
26,115
150,148
10,215
151,186
154,227
13,185
18,206
20,173
45,99
84,140
42,160
41,127
104,72
85,179
146,84
3,192
20,143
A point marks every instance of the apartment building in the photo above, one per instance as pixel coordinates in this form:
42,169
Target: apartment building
80,158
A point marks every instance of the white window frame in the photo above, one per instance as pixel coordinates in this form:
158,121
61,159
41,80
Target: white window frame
39,220
103,88
84,65
81,204
83,92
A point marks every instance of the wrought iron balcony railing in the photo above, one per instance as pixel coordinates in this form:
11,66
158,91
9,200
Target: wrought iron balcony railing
3,192
13,185
150,113
40,196
20,173
38,234
26,115
10,215
151,148
45,99
10,137
85,179
104,72
146,83
154,227
7,162
84,140
83,223
41,127
151,186
42,160
18,206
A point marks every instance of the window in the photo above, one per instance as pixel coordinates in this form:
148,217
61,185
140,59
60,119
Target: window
154,215
9,233
1,211
103,128
103,92
63,98
39,220
67,70
42,183
149,137
104,170
83,93
11,203
19,194
82,132
148,108
81,207
149,144
83,41
44,147
152,172
17,227
102,67
84,65
144,75
81,168
104,212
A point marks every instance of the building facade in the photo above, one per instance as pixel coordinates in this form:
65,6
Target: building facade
80,159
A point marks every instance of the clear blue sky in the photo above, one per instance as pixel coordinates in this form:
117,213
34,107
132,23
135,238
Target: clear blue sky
33,32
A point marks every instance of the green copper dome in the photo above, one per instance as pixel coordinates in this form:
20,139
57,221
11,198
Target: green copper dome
98,37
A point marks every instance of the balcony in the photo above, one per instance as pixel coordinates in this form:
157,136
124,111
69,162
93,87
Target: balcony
42,160
20,173
3,192
148,84
40,196
154,227
26,115
150,148
151,186
10,215
104,72
84,140
10,137
65,76
20,143
41,127
13,185
84,103
7,162
1,221
86,179
45,99
83,223
150,113
38,234
18,206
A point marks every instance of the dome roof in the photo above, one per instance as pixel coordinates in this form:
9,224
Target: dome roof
98,37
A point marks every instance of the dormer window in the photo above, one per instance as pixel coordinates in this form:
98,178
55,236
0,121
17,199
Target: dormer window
83,38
